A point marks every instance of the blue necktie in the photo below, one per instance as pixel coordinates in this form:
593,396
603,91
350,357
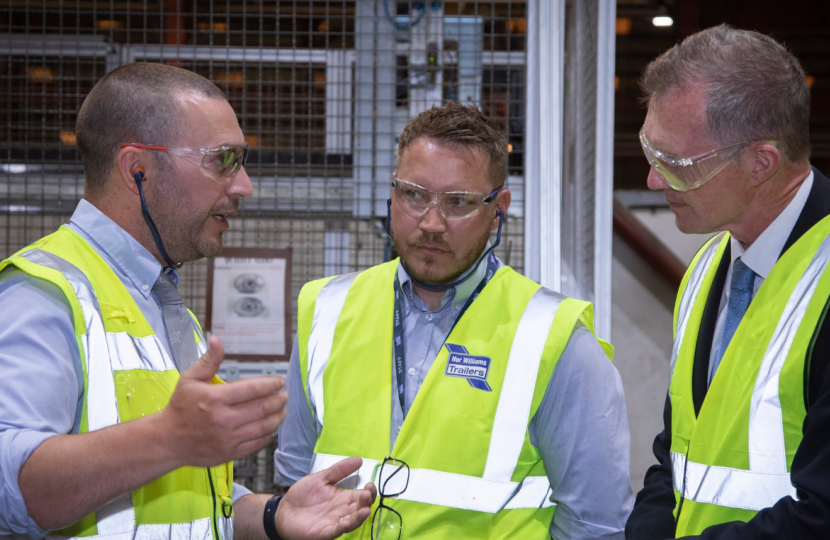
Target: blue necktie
740,295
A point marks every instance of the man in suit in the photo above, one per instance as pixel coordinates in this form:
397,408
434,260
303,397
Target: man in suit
744,452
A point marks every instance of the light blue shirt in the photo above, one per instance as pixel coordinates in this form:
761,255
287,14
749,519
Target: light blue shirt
41,390
580,428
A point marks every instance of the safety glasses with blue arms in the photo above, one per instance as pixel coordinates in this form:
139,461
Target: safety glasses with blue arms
452,205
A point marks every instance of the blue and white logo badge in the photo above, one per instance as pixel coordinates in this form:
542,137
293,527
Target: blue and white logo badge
467,366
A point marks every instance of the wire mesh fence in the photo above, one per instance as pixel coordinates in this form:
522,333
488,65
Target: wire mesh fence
321,89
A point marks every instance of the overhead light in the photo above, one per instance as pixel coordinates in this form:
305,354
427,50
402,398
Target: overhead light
810,81
234,79
623,26
212,27
68,137
662,20
109,24
41,74
14,168
517,26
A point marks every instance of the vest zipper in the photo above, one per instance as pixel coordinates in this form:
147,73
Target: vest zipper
213,498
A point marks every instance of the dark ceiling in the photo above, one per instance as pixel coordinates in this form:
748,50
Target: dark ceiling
803,25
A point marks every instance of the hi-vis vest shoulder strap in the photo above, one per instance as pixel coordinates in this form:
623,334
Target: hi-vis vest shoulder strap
127,374
521,327
734,458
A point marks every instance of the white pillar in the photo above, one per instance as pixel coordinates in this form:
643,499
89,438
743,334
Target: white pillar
569,160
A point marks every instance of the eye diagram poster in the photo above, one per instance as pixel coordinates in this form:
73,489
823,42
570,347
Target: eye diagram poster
248,302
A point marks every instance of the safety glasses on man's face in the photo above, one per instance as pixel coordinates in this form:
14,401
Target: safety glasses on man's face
684,174
224,161
453,205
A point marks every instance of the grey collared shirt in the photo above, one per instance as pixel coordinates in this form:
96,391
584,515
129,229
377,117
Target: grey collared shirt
580,428
41,390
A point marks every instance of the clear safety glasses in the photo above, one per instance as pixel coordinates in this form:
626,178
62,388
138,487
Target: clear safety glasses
224,161
684,174
453,205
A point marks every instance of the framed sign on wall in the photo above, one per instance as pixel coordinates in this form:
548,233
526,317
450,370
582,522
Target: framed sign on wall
248,303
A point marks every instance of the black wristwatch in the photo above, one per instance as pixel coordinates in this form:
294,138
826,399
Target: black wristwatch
268,521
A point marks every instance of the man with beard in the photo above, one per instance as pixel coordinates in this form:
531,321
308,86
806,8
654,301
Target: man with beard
482,404
112,420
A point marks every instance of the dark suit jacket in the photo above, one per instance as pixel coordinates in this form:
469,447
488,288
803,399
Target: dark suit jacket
807,518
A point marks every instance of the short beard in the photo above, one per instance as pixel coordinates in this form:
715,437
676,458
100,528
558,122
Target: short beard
457,271
182,239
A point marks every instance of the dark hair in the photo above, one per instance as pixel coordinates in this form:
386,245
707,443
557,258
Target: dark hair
755,88
135,103
463,125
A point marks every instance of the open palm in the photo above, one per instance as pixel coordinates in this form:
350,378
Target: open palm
315,509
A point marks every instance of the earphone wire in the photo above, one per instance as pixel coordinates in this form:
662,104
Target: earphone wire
138,176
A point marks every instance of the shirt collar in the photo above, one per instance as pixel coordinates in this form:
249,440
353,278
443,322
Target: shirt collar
131,258
457,295
762,255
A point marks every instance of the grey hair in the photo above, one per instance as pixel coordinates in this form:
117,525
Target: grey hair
136,103
755,88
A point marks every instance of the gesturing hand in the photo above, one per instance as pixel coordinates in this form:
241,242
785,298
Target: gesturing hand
314,509
211,423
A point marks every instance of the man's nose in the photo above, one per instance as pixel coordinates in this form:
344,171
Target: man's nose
432,221
656,181
241,185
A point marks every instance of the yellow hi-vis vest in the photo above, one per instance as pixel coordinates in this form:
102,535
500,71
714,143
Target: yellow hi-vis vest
734,458
473,472
127,374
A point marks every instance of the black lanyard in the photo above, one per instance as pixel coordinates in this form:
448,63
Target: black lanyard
397,329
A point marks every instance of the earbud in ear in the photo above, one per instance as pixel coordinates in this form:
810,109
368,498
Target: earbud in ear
138,175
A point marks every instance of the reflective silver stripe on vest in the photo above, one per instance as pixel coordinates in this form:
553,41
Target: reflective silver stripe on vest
321,338
201,343
767,480
513,411
767,452
196,530
101,407
105,353
732,488
453,490
687,301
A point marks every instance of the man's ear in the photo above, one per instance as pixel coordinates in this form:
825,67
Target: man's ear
766,160
128,160
502,202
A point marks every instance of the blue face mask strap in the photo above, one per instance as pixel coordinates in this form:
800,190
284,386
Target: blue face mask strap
457,282
138,176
